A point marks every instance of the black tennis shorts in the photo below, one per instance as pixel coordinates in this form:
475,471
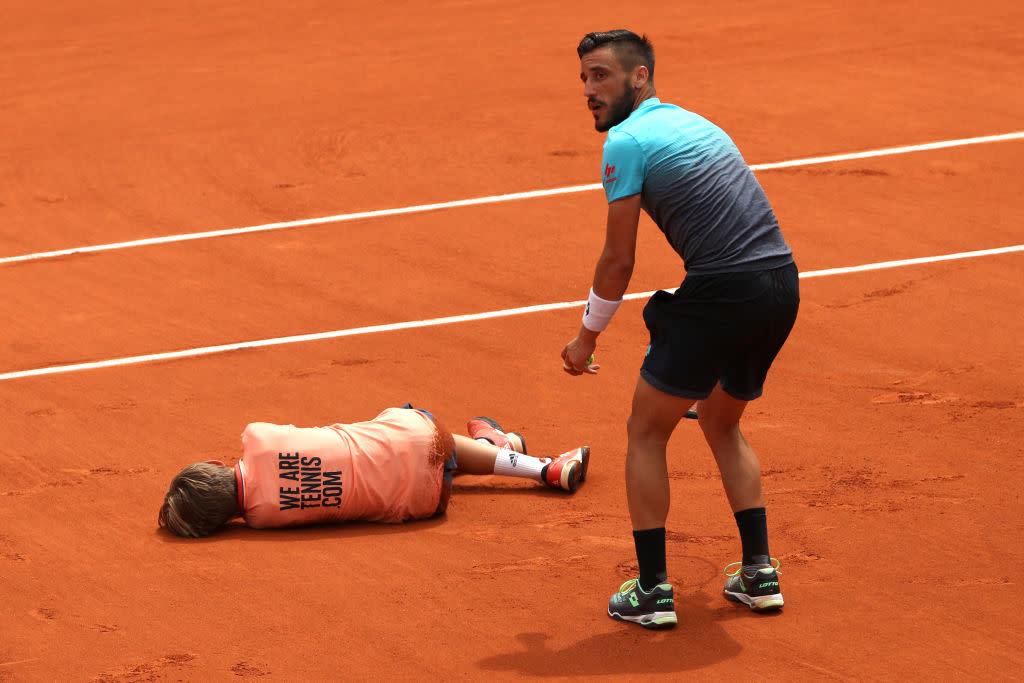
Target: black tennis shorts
724,328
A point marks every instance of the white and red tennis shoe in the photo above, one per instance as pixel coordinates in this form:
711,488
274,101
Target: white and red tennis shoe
568,470
488,429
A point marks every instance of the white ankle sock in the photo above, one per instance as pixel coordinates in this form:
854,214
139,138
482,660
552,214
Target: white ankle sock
512,464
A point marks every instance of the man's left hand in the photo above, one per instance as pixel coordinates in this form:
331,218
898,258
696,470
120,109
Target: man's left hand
575,356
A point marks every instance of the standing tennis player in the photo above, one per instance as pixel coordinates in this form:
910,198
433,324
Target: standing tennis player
713,340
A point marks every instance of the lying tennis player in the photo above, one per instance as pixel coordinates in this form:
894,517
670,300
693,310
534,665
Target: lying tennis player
393,468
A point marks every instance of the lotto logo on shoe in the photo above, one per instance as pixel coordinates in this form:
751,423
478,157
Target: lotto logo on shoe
632,599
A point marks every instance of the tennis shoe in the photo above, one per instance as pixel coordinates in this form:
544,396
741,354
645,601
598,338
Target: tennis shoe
486,428
568,470
653,609
755,586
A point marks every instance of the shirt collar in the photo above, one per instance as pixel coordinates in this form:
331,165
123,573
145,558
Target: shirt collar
240,482
648,103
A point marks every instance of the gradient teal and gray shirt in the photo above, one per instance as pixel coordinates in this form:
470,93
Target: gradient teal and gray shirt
696,187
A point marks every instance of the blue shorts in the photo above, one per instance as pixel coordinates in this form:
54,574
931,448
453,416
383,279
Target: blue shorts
451,464
724,328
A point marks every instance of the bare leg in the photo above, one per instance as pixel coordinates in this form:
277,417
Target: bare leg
741,472
478,457
475,457
654,417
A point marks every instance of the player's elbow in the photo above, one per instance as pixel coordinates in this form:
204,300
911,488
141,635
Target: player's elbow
620,269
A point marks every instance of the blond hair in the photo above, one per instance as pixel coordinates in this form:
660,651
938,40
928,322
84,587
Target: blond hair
202,497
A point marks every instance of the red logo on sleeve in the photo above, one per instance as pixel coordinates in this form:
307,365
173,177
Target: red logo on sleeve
608,171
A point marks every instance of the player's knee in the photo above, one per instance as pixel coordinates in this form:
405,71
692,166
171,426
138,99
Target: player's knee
635,425
640,428
715,425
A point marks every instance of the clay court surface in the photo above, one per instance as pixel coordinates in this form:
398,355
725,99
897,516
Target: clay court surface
889,434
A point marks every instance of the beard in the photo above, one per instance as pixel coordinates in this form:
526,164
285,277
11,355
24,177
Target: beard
618,109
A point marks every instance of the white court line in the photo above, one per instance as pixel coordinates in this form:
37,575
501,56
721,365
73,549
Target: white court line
483,200
450,320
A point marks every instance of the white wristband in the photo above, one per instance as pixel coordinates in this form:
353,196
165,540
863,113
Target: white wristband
598,312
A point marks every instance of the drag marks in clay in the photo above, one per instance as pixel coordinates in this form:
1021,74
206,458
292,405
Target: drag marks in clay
864,490
543,563
8,550
77,477
158,669
249,670
909,391
876,295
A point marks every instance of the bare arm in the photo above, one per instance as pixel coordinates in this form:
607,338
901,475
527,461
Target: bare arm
611,276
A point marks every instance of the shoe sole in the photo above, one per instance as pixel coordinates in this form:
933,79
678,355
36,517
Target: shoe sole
521,440
758,603
498,427
654,620
579,471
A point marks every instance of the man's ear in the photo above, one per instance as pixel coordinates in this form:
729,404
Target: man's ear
640,76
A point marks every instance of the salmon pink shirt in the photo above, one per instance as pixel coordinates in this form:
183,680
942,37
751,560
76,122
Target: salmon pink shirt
381,471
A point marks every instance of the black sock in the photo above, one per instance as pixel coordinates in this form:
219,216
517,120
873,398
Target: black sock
753,527
650,554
